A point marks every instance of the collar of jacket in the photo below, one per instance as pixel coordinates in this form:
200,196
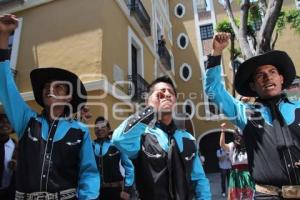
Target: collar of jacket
280,126
169,129
277,100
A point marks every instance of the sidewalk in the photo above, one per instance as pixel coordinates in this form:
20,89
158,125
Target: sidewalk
215,186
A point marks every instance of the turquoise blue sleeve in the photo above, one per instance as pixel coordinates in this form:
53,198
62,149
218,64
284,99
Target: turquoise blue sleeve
232,108
129,170
96,148
129,141
89,179
17,111
202,188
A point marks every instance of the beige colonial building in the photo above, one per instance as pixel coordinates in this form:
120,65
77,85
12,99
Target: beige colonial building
107,43
117,47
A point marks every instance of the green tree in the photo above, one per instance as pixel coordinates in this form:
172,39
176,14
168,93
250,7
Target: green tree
293,18
265,18
252,11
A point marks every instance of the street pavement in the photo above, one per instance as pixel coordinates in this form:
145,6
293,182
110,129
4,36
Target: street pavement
215,186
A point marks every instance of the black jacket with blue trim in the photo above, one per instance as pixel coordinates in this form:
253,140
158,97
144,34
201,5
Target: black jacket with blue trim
272,140
52,156
165,159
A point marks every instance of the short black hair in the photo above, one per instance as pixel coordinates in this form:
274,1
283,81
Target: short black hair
162,79
102,119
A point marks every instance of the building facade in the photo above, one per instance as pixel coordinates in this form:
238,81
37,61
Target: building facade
111,45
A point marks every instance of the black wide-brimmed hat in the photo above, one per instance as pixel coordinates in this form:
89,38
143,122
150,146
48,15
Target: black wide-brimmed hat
39,77
278,59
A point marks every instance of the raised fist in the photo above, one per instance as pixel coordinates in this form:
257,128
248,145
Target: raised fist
220,42
8,23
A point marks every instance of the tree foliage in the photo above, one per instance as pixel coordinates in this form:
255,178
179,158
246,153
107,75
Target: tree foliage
258,21
293,18
224,26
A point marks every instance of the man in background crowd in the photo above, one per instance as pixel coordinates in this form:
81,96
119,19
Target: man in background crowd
225,166
108,159
8,160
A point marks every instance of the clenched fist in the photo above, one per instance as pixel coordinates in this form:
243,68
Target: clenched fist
220,42
8,23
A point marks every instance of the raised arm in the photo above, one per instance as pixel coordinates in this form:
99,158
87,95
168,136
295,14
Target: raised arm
17,111
232,108
222,138
127,136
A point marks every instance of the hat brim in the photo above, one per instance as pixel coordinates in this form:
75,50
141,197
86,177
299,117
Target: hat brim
278,59
39,77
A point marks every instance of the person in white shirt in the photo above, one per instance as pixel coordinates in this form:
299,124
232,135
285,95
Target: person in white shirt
241,184
7,160
225,166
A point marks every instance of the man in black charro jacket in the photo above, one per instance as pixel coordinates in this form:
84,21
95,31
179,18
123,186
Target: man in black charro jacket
109,158
55,156
165,157
271,126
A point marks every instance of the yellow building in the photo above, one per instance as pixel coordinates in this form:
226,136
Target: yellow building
107,43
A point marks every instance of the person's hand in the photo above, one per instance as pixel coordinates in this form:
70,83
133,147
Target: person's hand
220,42
154,99
8,23
125,195
245,99
223,125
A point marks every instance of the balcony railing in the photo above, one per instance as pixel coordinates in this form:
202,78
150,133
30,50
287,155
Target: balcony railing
139,88
165,57
138,10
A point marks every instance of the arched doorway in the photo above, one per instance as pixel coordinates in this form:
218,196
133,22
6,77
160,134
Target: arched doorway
208,144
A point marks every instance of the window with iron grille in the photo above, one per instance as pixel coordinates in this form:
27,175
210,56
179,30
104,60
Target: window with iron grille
207,32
